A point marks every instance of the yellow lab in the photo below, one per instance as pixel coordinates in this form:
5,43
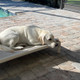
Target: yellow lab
18,37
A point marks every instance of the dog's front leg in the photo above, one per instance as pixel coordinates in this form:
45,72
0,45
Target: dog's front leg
35,44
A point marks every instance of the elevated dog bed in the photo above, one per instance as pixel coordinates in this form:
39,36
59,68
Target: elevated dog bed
6,56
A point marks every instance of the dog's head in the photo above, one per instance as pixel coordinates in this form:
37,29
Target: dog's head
47,38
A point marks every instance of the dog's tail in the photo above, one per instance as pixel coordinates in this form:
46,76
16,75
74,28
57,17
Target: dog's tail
5,48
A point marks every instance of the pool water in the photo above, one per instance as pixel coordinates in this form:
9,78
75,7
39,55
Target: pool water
4,13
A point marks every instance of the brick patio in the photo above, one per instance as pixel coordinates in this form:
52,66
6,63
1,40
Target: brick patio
45,64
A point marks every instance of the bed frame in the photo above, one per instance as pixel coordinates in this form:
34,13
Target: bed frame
7,56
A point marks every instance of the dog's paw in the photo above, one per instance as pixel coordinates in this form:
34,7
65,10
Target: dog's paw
19,48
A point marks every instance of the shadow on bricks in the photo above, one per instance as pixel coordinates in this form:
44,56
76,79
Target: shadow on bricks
42,65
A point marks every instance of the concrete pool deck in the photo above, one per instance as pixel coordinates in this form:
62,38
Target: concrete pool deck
45,64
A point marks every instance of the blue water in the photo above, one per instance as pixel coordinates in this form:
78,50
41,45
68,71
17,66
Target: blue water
4,13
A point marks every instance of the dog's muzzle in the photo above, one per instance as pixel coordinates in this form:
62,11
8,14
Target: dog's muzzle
52,45
56,44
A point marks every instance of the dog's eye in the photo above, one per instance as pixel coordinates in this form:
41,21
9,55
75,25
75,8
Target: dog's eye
50,39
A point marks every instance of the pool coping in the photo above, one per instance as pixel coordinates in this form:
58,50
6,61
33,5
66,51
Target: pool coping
22,6
6,11
9,8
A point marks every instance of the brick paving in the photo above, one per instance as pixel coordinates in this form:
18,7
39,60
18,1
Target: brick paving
45,64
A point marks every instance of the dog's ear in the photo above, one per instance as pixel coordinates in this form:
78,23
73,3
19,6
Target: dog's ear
42,39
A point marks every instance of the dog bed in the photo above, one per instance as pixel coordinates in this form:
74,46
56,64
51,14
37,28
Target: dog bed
7,56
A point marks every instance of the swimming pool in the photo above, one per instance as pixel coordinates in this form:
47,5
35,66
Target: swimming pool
4,13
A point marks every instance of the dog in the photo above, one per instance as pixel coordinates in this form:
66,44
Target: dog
20,36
